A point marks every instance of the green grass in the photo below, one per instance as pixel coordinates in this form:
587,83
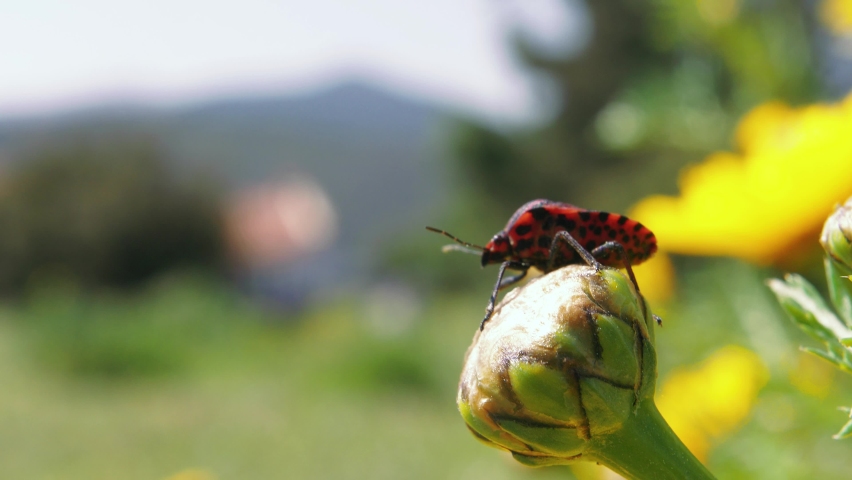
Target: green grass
246,395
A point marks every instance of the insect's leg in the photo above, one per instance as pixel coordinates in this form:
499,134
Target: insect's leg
501,284
509,281
567,238
616,247
625,260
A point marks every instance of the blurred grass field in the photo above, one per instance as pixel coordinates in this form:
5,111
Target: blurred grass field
186,375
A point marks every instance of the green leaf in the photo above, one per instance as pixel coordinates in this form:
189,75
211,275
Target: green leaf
553,440
618,346
807,308
607,406
827,356
846,431
486,432
542,390
839,289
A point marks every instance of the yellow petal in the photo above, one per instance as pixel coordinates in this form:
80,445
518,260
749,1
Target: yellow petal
708,401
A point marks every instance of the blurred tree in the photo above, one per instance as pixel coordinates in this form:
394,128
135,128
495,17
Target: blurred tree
103,214
660,84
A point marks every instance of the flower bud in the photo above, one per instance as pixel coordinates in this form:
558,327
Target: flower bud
563,361
836,239
836,236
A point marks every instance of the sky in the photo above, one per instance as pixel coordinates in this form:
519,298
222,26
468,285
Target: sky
57,55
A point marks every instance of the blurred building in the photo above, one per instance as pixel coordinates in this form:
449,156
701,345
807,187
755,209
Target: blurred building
272,228
275,223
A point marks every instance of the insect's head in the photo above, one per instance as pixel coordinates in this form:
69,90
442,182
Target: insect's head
498,250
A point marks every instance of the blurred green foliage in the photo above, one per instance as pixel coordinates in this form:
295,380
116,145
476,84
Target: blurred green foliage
121,335
103,213
660,84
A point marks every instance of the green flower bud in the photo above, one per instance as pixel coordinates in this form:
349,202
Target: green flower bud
565,370
836,236
836,240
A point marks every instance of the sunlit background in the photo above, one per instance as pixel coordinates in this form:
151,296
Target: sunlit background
212,256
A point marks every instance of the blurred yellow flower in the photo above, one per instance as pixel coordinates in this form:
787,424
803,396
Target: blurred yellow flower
656,278
811,375
192,474
794,165
837,16
707,402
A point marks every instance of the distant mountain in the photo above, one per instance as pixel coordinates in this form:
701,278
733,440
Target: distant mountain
344,105
377,154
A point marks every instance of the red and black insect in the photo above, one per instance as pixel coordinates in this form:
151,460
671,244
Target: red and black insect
548,235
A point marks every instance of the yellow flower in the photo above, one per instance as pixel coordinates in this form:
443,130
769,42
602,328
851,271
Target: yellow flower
837,16
794,165
811,375
656,279
707,402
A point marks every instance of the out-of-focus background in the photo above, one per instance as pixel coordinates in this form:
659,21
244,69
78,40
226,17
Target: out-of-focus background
212,256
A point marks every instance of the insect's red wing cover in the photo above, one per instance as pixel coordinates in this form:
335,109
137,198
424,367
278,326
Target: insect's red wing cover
532,228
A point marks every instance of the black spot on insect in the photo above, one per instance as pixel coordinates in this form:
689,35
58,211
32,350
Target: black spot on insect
648,236
544,241
565,223
625,238
635,239
524,245
548,223
591,244
597,230
611,234
539,214
603,216
622,219
564,257
523,229
585,216
637,227
581,232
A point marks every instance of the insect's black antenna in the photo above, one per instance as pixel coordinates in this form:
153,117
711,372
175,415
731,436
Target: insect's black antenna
466,244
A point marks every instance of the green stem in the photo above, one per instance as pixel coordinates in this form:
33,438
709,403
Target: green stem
647,448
